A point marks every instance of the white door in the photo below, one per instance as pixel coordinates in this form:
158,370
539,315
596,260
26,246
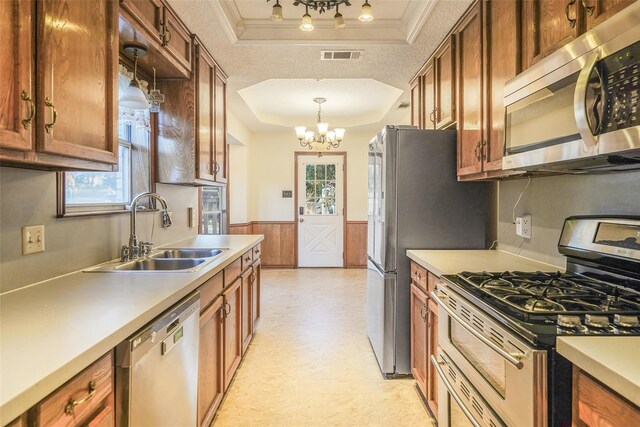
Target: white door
320,211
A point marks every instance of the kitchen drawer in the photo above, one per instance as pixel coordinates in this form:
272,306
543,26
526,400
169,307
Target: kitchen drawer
419,276
433,282
256,251
247,259
232,272
210,290
88,390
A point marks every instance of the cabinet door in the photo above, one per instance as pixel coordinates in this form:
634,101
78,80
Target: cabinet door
104,418
429,96
470,95
432,350
445,83
247,306
77,92
16,88
255,299
148,14
210,375
419,349
176,39
598,11
220,111
232,330
206,72
416,102
502,63
547,26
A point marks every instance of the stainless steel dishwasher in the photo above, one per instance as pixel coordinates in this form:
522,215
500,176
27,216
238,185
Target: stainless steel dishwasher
157,370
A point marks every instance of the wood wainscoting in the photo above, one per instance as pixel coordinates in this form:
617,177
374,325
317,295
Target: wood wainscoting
355,250
278,247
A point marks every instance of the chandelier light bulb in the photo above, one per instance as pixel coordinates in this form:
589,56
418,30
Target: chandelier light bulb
276,14
300,132
308,136
331,136
365,12
338,21
307,23
339,134
323,128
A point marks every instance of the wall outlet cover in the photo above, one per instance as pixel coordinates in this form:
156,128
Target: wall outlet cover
524,226
32,239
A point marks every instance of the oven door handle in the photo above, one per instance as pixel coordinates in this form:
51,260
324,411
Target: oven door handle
452,392
514,359
580,102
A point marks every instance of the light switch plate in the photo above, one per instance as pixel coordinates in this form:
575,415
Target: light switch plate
32,239
192,215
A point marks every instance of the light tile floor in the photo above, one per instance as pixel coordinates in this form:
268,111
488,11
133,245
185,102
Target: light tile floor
311,364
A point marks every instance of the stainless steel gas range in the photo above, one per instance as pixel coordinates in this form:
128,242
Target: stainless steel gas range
497,361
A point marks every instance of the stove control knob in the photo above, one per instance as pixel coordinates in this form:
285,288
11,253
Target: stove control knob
626,321
596,321
572,322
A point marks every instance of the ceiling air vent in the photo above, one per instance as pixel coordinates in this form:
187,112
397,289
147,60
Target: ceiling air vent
404,105
341,55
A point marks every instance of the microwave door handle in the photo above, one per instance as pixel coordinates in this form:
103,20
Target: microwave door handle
514,359
597,107
452,392
580,102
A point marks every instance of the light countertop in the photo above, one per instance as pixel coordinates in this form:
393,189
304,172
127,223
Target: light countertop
52,330
613,360
441,262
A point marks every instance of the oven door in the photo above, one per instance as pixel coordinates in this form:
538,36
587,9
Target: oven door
509,375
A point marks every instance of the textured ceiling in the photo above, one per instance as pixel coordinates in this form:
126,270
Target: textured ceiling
247,65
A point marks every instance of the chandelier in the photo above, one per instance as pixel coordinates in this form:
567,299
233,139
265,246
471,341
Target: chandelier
322,6
324,138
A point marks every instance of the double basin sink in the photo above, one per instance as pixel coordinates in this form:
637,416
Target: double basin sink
186,260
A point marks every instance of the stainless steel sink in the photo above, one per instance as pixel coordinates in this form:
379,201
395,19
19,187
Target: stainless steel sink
187,253
161,264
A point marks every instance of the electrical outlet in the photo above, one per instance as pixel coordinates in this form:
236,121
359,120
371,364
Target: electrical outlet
192,215
32,239
523,226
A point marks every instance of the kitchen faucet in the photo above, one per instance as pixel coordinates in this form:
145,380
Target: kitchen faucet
134,249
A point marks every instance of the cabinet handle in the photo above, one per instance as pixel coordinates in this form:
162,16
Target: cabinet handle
429,314
226,313
477,151
49,126
27,122
432,116
223,314
572,22
589,9
423,314
166,36
436,115
216,167
483,150
69,409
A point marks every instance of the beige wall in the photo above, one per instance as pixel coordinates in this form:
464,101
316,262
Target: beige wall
551,199
238,170
28,197
271,160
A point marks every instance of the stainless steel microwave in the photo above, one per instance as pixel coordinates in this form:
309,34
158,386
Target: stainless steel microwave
577,110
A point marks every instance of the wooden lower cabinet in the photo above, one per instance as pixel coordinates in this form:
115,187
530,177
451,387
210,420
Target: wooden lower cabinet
419,359
85,400
210,369
247,308
232,330
424,335
596,405
255,289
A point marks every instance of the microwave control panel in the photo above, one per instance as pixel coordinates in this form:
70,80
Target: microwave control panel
621,75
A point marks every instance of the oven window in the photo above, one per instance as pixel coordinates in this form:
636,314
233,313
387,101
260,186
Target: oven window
543,118
487,362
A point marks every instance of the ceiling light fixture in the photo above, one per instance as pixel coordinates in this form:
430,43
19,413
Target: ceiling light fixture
155,96
324,138
322,6
133,97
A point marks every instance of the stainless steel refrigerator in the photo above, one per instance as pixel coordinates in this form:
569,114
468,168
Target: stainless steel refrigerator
415,202
214,210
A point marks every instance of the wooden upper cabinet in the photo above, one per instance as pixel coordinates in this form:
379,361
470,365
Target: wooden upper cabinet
548,25
148,15
77,69
416,102
175,37
470,99
502,63
205,83
17,98
445,88
597,11
429,96
220,120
